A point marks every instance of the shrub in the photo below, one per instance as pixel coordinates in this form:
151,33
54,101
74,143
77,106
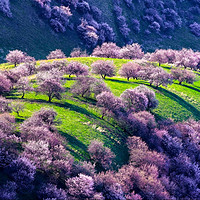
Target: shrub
195,29
5,7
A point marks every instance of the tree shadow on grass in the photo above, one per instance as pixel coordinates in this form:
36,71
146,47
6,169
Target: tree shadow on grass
64,105
190,87
82,153
182,102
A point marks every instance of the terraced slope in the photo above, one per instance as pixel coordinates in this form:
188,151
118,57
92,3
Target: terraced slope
81,119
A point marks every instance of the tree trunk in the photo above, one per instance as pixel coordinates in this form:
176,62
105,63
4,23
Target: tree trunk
180,82
50,98
127,78
22,95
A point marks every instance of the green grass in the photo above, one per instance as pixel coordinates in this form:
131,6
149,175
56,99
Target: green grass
81,119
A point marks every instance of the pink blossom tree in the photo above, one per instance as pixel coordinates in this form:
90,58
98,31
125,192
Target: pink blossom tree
132,51
23,86
52,88
130,70
101,155
109,104
5,84
183,76
107,50
81,187
77,52
57,54
87,86
134,101
15,57
150,94
159,56
4,105
76,68
158,76
104,68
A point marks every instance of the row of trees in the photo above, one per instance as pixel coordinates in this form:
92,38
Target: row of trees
164,156
186,58
50,76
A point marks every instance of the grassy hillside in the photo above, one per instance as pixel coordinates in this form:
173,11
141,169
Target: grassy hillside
81,119
27,31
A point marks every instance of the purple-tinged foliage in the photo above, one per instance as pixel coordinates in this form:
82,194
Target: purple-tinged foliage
88,33
38,152
80,187
108,185
83,7
109,104
5,8
135,25
8,191
183,75
15,57
132,51
140,155
145,180
45,117
50,87
88,86
104,68
96,12
4,105
76,68
57,54
107,50
123,27
150,94
101,155
134,101
106,33
195,28
60,18
23,86
130,70
22,171
50,191
77,52
5,84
